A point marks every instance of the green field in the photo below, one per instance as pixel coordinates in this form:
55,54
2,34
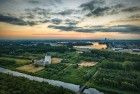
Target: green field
71,73
12,63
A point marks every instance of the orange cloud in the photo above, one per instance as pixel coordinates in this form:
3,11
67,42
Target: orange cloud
8,31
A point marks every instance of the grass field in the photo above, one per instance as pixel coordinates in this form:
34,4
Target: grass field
87,64
67,73
56,60
30,68
12,63
18,61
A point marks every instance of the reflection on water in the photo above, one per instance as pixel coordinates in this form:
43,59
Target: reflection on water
97,45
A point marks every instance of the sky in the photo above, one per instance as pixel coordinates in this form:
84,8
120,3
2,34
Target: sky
69,19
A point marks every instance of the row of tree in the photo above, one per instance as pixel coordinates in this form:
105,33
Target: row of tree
17,50
126,65
100,55
118,79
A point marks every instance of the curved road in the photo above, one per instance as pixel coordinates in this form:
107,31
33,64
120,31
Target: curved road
69,86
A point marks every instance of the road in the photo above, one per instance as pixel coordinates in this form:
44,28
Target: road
69,86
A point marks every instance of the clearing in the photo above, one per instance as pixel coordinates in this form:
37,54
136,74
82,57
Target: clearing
56,60
87,64
30,68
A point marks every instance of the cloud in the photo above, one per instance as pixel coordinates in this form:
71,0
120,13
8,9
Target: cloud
71,22
17,21
99,11
119,28
98,8
56,21
42,15
4,1
36,16
66,12
37,11
91,5
34,2
135,16
93,29
63,28
125,29
12,20
131,9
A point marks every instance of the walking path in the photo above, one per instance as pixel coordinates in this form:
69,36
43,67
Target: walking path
69,86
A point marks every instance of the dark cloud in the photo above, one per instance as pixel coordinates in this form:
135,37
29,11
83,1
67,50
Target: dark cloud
56,21
63,28
28,15
96,8
135,16
66,12
71,22
56,1
17,21
41,15
31,23
91,5
37,11
12,20
119,28
125,29
101,11
131,9
36,16
4,1
34,2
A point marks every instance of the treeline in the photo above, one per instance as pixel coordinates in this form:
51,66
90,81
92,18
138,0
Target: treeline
127,65
100,55
18,85
115,60
17,50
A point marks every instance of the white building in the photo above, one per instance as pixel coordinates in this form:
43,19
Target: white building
43,62
47,59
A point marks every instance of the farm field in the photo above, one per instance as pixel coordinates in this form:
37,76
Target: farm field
56,60
87,64
30,68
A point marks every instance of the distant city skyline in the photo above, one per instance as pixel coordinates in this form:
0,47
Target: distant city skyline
67,19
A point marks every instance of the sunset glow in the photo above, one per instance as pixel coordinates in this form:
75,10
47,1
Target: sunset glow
36,21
